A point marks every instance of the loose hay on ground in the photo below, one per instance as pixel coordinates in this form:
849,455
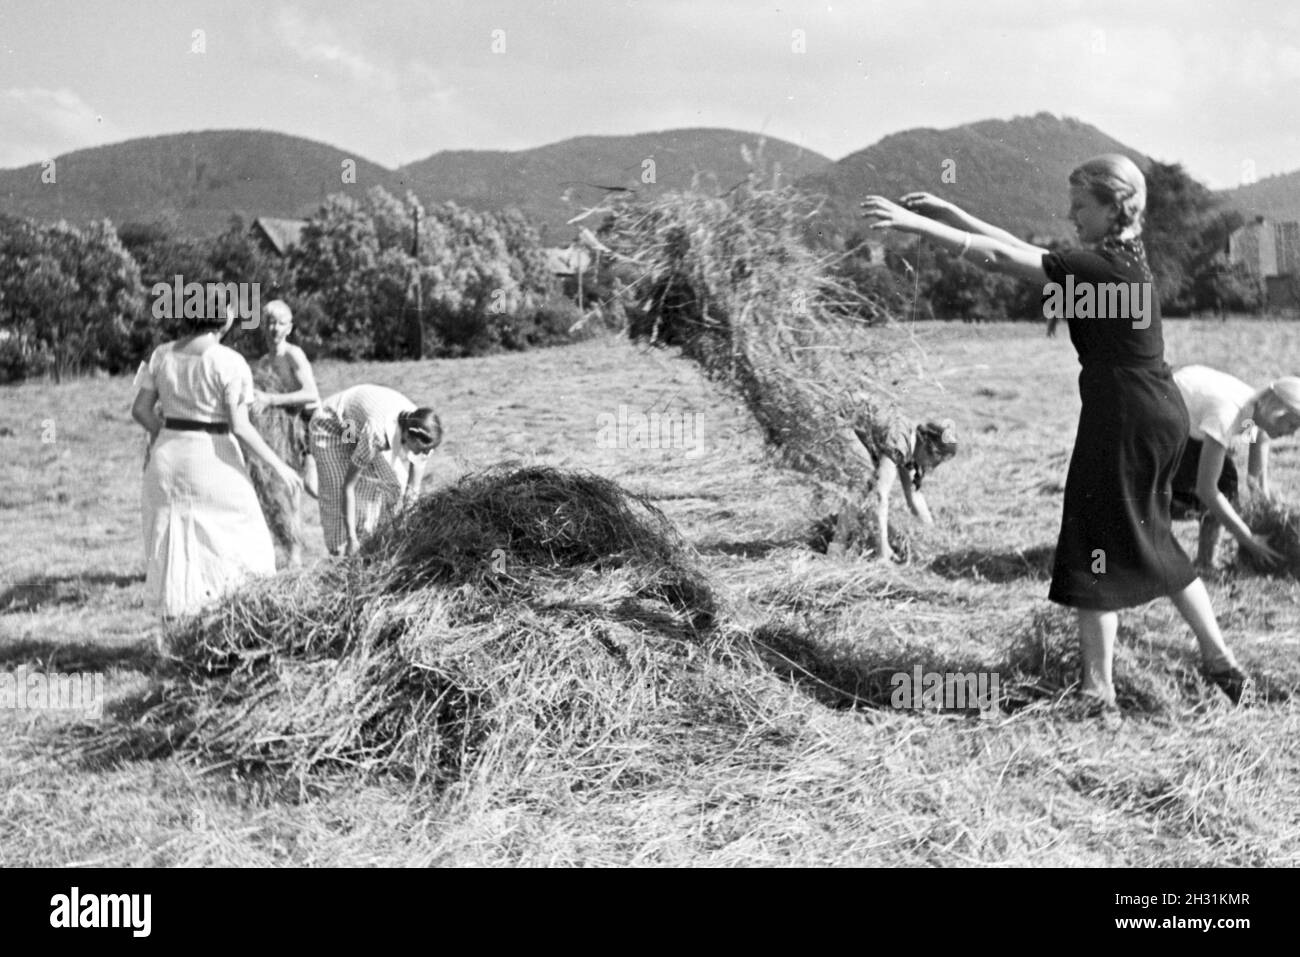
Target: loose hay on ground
515,615
1278,524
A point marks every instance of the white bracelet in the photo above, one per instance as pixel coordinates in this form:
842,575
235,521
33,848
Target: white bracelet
965,247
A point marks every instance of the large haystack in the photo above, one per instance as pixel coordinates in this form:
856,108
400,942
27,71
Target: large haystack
514,614
731,282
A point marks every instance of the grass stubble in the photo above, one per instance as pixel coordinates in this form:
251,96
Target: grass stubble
604,724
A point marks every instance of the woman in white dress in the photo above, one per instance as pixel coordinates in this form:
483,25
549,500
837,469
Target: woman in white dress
203,528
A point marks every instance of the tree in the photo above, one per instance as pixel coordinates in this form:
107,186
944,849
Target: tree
1182,230
71,291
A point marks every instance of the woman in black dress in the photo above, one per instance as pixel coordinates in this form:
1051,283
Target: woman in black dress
1116,548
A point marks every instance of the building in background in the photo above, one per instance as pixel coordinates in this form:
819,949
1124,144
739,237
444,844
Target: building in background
277,236
1271,252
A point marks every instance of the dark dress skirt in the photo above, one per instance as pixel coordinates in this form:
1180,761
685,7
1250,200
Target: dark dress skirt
1116,547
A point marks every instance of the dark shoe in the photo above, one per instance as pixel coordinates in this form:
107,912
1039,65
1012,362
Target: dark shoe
1233,682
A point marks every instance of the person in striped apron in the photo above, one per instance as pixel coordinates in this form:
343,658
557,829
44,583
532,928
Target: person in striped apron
371,445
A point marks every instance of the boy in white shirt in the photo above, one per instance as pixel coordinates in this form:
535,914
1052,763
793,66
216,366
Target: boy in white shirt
1221,409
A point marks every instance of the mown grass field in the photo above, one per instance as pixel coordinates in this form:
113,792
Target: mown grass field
839,777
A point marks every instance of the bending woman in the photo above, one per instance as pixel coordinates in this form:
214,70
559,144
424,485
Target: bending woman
371,446
203,528
1116,547
1221,409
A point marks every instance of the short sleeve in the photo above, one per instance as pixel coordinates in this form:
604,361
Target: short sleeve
144,378
1084,265
236,381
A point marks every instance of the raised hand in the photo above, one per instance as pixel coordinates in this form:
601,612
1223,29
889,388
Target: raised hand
929,205
886,214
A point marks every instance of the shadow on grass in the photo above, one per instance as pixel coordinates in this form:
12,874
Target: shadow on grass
45,591
751,549
1039,665
980,564
852,676
69,656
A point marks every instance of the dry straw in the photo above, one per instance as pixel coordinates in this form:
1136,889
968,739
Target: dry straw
514,614
285,433
1278,524
732,282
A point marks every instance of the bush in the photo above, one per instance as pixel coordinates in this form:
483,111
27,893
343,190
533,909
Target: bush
22,358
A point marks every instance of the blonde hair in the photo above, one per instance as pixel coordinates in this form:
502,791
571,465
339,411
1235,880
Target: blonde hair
1114,179
1287,390
278,309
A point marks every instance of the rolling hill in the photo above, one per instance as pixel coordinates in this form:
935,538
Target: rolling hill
554,183
196,181
1276,197
1011,173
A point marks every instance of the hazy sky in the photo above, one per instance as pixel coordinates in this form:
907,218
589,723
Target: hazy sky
1214,84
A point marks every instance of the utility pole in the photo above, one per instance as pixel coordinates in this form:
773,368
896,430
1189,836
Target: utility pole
416,334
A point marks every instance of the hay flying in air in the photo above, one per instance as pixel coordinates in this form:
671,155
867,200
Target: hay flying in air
731,281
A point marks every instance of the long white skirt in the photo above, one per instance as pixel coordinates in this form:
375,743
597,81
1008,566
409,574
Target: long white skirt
204,532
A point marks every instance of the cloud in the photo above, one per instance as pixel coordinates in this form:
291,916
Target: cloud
317,42
40,124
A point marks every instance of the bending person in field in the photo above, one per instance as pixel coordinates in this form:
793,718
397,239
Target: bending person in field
372,445
203,528
903,454
290,364
1222,409
1116,547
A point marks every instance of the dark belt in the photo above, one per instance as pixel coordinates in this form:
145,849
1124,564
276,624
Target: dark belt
189,425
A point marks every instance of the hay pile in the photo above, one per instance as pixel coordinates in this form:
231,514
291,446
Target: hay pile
1278,524
285,433
732,282
516,614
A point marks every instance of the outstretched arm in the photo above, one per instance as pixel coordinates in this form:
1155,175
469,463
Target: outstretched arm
1017,259
953,215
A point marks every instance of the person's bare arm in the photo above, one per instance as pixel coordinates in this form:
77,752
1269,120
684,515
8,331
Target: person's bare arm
1257,469
1208,470
414,479
953,215
915,500
1019,259
306,394
885,476
143,411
